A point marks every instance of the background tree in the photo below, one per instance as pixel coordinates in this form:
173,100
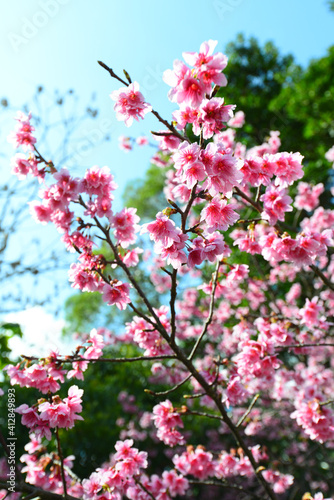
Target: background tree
60,119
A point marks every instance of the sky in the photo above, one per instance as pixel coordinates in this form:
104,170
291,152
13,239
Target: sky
57,43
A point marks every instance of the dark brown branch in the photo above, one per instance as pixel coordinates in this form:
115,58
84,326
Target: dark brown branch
75,359
226,485
173,294
209,318
112,74
164,393
38,492
7,453
203,414
184,215
323,278
144,488
61,458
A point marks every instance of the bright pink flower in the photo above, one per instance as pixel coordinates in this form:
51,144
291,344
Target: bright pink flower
275,204
208,65
308,196
142,140
166,419
238,120
23,135
168,142
218,215
213,116
126,226
237,273
30,417
317,421
280,482
191,91
174,253
130,104
131,258
124,143
62,413
116,293
22,166
185,115
83,275
186,155
223,174
213,247
78,367
174,77
40,212
94,351
176,484
235,392
198,463
162,230
288,168
311,312
98,181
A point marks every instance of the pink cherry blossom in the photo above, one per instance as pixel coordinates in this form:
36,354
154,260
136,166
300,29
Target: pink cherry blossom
130,104
23,134
218,214
116,293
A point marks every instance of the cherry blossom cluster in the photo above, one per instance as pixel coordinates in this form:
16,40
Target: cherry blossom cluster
49,415
243,267
166,419
130,104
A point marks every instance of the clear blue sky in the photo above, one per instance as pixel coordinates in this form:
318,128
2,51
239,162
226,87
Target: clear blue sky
57,43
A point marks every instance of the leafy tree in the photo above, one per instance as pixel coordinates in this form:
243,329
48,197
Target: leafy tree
308,103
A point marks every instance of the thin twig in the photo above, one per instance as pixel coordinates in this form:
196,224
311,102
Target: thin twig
321,275
295,346
258,193
144,488
164,393
155,113
249,409
193,396
61,457
184,215
209,318
203,414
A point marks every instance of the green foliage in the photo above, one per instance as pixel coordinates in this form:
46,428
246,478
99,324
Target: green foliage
7,332
256,75
83,310
92,440
147,192
308,101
